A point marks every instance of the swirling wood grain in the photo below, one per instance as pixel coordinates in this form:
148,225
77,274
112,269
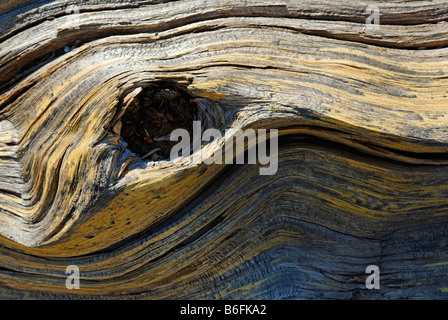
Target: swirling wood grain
363,150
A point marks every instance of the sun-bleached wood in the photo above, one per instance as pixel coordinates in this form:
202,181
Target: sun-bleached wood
363,150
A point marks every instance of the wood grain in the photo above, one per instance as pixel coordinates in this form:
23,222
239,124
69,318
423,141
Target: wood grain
363,150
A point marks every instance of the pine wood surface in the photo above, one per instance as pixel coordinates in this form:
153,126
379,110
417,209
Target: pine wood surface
363,150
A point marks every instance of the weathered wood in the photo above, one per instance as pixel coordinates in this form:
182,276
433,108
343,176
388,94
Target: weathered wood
363,149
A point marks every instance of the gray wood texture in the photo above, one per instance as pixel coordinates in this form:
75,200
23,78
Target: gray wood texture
362,159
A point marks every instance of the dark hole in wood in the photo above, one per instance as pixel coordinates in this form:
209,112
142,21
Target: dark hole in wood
156,112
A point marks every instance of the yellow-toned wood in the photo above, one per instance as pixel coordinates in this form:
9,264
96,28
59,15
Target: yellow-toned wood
363,150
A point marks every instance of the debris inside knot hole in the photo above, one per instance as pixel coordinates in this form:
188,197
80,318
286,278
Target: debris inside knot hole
151,117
